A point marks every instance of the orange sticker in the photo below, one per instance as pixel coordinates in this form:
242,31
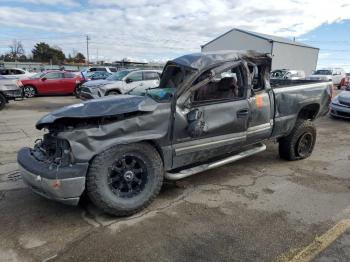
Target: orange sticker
259,101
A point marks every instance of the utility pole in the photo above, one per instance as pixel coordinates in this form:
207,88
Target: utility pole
97,55
87,49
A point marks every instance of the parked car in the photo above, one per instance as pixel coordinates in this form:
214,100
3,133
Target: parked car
108,69
10,89
91,76
15,73
340,106
96,83
287,74
344,82
203,115
329,74
51,83
98,75
125,81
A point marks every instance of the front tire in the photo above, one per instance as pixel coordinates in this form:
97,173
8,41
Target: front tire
29,91
125,179
113,93
300,143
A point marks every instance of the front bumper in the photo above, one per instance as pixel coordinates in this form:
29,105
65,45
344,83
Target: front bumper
86,96
63,184
89,93
340,111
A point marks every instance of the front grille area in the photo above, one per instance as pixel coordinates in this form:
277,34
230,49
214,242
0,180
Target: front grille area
340,113
86,90
346,103
53,150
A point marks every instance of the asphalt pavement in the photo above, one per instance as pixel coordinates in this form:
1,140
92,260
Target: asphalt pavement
258,209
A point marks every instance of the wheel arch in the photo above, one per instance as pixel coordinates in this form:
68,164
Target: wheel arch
309,111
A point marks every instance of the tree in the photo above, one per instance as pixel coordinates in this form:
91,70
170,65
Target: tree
43,52
79,58
16,49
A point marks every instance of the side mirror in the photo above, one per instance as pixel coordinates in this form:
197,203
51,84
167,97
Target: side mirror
43,79
128,80
194,115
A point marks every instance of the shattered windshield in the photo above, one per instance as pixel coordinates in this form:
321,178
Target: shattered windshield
172,77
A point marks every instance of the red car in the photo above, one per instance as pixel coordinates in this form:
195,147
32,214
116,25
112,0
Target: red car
344,82
51,83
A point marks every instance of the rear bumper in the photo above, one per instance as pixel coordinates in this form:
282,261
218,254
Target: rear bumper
63,184
340,111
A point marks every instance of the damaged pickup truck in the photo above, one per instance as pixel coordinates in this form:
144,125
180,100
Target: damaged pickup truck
209,110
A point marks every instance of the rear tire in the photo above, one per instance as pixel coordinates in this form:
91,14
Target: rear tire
300,143
3,101
125,179
29,91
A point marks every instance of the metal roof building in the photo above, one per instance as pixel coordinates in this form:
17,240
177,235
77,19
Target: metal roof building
286,54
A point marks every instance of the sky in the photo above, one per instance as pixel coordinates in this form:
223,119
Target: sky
159,30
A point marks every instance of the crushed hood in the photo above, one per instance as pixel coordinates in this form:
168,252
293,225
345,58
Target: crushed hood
104,107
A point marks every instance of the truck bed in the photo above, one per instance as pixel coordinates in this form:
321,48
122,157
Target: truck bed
280,83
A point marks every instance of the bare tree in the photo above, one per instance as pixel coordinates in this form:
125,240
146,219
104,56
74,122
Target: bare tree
16,49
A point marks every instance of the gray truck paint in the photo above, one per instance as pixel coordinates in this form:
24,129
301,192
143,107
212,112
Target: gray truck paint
219,128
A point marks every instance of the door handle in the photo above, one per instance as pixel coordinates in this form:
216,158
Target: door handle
243,113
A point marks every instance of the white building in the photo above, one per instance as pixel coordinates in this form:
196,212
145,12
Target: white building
287,54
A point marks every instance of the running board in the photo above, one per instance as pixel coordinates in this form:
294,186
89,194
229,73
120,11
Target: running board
194,170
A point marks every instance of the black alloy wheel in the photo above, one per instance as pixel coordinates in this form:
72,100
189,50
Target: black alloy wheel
128,176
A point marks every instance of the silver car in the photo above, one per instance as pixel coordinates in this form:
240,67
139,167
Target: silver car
10,89
340,106
125,81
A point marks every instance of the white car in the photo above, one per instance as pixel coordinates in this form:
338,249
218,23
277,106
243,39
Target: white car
102,69
15,73
287,74
122,82
329,74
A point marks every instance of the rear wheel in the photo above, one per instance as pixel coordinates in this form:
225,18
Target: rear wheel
29,91
125,179
2,101
300,143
